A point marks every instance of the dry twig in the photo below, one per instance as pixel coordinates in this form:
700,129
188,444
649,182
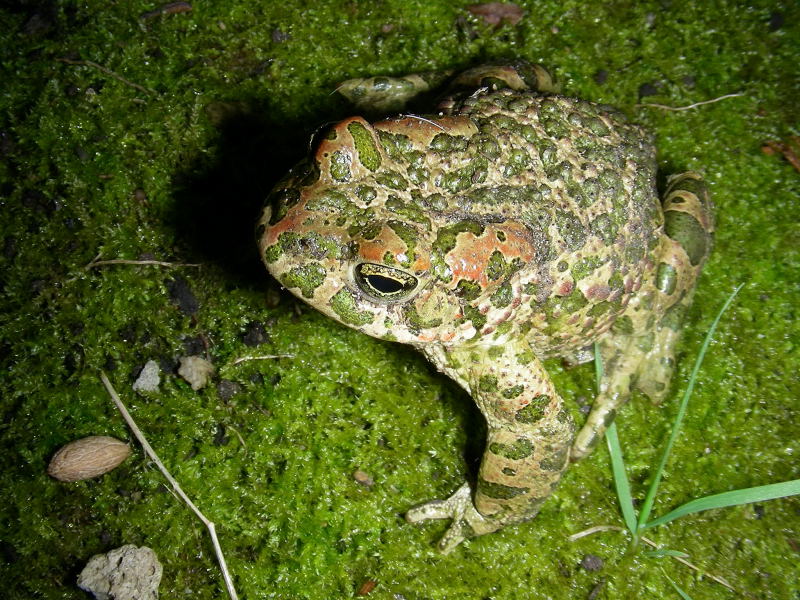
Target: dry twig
107,71
262,357
121,261
148,450
690,106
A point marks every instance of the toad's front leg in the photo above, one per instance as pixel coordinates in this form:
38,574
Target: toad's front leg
527,448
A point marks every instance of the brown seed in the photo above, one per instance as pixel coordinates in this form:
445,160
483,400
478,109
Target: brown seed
88,457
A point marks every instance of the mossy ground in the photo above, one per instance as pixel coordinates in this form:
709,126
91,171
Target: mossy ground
92,165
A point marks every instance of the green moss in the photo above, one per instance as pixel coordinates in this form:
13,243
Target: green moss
236,88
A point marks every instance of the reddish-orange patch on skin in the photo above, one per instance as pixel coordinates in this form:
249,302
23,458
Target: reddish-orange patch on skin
372,251
292,221
470,258
388,241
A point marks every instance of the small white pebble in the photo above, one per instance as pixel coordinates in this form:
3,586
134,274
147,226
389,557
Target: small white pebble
125,573
149,379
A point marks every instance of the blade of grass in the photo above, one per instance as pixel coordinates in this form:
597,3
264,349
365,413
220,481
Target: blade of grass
621,480
683,594
617,463
732,498
651,493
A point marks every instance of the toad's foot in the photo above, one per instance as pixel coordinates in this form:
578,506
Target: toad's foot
467,521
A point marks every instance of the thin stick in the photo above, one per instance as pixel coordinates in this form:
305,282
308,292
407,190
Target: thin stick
122,261
148,450
593,530
107,71
262,357
690,106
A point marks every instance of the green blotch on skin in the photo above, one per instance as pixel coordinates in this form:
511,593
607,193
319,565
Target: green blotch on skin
522,448
478,319
503,296
417,322
330,201
307,278
500,491
408,210
616,283
558,309
340,166
687,231
496,266
504,328
556,461
397,146
281,201
366,194
409,236
585,267
666,278
369,231
392,180
367,150
513,392
285,241
487,384
603,227
344,305
572,231
444,143
673,317
534,411
526,357
468,289
623,325
600,308
495,352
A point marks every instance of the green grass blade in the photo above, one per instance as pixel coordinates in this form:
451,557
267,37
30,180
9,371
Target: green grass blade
683,594
617,463
621,480
651,493
733,498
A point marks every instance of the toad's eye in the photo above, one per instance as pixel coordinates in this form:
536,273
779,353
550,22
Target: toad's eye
384,283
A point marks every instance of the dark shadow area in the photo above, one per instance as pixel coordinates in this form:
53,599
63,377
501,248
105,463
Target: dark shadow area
218,198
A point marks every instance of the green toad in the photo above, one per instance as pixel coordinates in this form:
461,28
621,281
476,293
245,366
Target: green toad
513,225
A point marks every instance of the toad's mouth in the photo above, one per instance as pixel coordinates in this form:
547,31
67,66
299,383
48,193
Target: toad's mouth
382,283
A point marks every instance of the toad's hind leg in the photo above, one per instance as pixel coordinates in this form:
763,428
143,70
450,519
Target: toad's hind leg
639,351
527,446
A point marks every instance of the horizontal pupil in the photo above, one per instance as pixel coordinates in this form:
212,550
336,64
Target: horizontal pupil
384,285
